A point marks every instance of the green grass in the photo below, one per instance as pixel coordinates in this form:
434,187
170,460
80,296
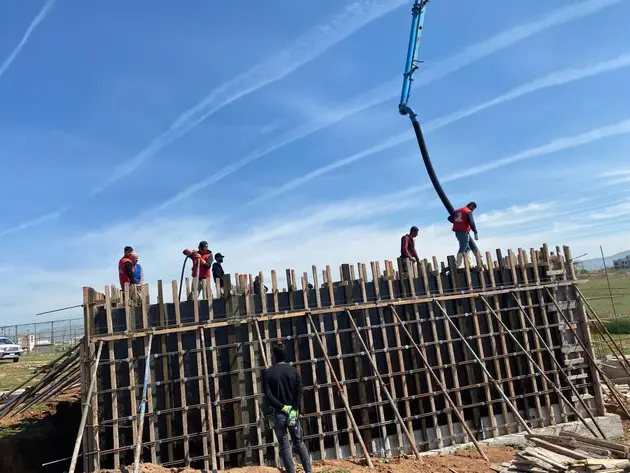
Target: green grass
14,374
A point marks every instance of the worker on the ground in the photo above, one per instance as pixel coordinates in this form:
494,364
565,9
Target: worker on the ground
282,387
463,222
257,285
217,269
408,246
125,268
202,261
138,273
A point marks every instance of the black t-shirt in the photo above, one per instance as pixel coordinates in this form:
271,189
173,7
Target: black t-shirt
282,386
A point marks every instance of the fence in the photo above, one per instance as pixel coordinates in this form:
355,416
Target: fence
423,357
45,337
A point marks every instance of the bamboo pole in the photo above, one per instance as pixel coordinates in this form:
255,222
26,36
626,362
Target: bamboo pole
346,405
559,366
592,361
485,370
440,385
143,405
86,408
401,421
543,374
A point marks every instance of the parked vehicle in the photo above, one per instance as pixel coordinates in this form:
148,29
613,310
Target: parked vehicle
9,350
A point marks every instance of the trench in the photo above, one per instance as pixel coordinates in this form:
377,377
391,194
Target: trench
27,444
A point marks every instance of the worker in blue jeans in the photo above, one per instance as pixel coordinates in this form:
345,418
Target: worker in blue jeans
282,387
463,223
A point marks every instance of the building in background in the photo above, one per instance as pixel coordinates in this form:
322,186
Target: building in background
623,263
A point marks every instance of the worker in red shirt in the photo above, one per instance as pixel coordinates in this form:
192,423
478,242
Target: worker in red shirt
202,262
408,246
125,268
463,222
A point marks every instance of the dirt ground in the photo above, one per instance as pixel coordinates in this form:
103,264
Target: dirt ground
464,461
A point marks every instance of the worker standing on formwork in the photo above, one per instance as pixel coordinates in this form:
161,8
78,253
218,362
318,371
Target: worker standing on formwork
202,261
138,273
217,269
463,222
125,268
408,246
282,387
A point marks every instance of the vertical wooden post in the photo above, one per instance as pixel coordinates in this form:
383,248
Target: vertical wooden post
167,386
182,374
112,377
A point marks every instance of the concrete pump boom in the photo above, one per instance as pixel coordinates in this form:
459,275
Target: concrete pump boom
411,65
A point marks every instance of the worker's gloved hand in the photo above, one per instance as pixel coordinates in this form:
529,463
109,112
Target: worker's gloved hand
292,417
476,236
414,260
286,410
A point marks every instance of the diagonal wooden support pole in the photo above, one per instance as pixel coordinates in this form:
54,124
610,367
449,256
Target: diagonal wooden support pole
482,365
601,328
346,404
86,408
592,361
562,397
435,377
558,365
143,406
401,421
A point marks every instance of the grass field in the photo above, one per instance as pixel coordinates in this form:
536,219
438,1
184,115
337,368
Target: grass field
14,374
596,291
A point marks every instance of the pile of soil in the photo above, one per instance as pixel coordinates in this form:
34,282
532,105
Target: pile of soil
463,461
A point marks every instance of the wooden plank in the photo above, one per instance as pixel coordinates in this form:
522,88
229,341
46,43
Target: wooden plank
167,386
112,377
518,315
182,375
388,358
504,351
214,361
480,350
545,329
493,343
153,427
256,382
342,371
208,398
133,383
370,343
316,387
411,271
200,380
522,261
331,394
461,322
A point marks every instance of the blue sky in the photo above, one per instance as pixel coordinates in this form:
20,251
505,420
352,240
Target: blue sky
273,132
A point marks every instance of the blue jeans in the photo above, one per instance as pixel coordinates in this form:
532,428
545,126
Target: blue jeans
281,427
464,241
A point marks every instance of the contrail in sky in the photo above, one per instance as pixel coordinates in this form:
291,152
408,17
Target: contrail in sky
552,80
41,16
385,92
34,222
280,64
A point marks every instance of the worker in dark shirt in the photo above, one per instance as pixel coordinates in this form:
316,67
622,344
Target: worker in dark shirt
282,387
408,245
217,269
257,286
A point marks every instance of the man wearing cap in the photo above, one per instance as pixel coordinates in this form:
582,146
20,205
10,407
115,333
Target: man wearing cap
217,269
202,261
463,223
408,246
125,268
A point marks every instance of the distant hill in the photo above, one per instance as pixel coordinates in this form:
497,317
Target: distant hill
596,263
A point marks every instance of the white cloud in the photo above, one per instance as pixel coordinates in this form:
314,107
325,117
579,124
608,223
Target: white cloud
41,16
34,222
345,232
615,211
280,64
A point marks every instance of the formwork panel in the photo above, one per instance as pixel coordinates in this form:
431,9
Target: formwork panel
204,407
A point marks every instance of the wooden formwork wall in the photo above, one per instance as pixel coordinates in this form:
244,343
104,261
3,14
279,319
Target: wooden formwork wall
204,405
